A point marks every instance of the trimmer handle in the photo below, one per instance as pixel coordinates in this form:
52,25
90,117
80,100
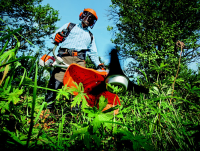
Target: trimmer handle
58,60
64,33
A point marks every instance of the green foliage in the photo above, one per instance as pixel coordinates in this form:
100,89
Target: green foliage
149,30
89,63
81,97
37,22
114,89
9,98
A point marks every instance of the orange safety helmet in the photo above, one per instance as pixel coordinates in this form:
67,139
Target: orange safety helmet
87,12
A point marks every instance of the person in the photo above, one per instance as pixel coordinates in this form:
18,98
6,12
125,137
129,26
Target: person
74,48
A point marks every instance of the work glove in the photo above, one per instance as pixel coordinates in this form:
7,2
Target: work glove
59,37
101,67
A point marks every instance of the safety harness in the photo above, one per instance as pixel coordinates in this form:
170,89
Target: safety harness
71,26
81,54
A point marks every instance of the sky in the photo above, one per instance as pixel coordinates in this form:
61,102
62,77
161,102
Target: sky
69,11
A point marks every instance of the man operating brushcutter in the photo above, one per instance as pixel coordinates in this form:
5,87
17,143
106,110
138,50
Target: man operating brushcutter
76,43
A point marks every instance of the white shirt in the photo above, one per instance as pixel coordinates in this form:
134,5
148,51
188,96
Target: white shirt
79,38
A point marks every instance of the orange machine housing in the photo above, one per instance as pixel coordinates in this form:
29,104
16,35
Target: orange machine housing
90,78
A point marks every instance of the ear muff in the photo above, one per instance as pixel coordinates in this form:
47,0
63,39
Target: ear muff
92,24
80,16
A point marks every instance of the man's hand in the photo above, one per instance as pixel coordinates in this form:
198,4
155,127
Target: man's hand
101,67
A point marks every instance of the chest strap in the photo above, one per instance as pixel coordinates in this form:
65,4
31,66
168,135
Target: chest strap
71,26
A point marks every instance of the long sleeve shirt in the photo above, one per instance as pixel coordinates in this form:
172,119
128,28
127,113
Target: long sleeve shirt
79,38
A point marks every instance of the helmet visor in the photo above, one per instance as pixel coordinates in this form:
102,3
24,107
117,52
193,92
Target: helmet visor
88,18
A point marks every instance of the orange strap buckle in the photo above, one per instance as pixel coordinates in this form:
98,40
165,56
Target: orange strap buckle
75,53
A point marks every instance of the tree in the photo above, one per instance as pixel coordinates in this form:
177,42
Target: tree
148,30
36,23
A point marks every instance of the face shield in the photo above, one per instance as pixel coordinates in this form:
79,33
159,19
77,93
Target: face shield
88,19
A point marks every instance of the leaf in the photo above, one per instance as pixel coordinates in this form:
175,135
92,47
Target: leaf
96,123
26,80
179,80
108,125
114,89
6,56
96,139
4,106
81,97
87,140
26,40
120,116
77,100
92,111
14,96
63,92
14,60
41,108
100,119
169,91
154,90
11,136
10,33
109,28
195,89
102,103
79,131
162,65
4,48
4,74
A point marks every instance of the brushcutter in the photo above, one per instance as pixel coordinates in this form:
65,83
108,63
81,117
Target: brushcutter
114,79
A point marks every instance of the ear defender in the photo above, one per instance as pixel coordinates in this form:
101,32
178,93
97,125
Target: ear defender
80,16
